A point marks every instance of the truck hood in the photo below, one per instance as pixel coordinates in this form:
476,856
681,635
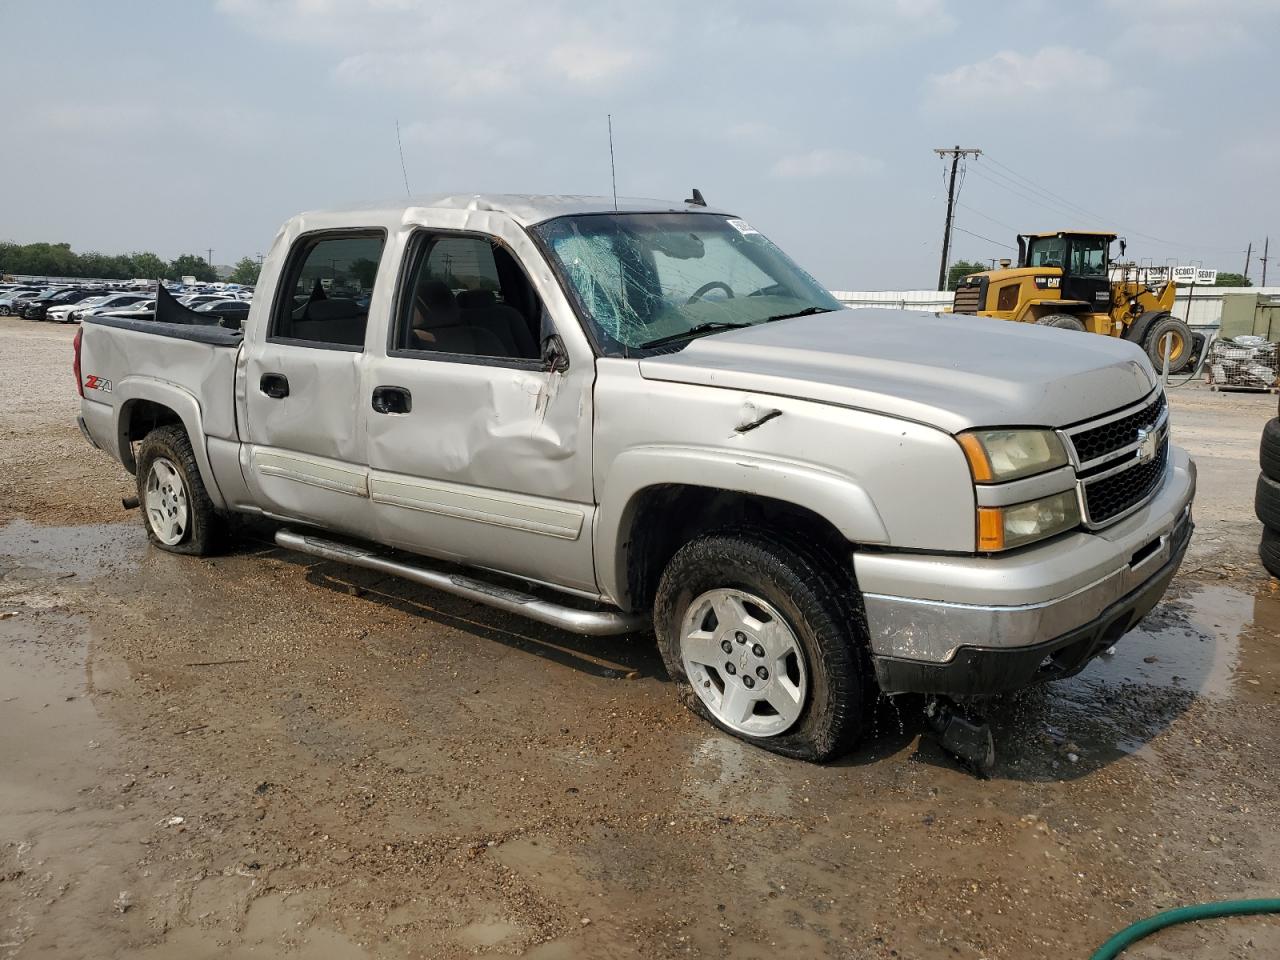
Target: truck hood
949,371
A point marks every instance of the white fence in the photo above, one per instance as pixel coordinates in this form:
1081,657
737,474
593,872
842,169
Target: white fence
1201,307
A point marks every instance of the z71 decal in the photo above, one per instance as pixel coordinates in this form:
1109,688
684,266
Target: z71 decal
97,383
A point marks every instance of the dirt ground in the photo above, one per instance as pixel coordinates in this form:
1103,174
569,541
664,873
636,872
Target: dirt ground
260,755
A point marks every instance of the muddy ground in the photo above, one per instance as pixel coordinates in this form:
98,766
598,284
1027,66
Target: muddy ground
260,756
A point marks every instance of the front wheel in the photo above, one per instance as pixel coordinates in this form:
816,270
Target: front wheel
176,509
761,636
1063,321
5,310
1172,334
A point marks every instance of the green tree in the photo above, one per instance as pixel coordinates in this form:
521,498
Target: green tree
144,265
363,270
188,265
245,271
961,269
1232,280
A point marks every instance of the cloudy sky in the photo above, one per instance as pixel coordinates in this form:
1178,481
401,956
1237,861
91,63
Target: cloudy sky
182,126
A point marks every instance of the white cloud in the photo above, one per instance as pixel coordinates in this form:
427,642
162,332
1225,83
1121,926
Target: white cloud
488,47
824,162
466,133
1013,77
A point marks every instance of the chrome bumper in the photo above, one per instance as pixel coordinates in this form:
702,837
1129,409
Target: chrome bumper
928,608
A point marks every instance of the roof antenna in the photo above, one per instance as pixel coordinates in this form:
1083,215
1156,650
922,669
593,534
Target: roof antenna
696,200
403,172
613,173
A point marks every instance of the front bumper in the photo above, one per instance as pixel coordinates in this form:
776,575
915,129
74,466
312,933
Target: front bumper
973,625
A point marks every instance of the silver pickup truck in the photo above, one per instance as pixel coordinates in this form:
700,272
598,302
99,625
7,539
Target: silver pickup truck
617,415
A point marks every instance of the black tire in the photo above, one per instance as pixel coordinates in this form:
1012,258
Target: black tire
1269,551
1183,343
1269,449
5,311
205,527
1063,321
1266,502
806,586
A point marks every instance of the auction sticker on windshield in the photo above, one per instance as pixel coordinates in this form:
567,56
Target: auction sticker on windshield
742,227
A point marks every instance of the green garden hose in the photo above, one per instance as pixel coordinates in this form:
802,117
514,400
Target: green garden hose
1201,911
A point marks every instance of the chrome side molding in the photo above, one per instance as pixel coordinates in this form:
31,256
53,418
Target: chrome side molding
594,623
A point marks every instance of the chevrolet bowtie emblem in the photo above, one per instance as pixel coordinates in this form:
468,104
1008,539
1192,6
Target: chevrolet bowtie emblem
1148,445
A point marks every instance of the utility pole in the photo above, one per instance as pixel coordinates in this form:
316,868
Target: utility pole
1247,255
955,153
1266,242
210,260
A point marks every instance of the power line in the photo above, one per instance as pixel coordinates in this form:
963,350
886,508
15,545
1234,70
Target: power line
1028,197
1039,189
1078,210
998,223
981,237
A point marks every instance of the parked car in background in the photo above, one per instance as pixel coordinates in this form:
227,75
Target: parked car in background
195,300
58,313
142,310
111,301
10,299
38,309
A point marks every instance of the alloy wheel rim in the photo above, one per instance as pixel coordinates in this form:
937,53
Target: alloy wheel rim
744,661
165,499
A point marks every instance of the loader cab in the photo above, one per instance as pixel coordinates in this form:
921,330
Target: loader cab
1083,258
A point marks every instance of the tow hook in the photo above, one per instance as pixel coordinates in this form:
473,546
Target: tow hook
965,737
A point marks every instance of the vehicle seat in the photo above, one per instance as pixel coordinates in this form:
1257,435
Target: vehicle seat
438,325
481,310
333,320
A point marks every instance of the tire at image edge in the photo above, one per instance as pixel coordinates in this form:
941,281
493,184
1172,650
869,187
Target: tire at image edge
1269,449
803,582
1269,551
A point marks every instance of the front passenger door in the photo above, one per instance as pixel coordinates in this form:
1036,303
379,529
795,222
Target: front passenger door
479,449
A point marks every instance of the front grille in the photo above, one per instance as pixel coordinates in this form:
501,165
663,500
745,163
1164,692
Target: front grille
1109,497
968,297
1094,442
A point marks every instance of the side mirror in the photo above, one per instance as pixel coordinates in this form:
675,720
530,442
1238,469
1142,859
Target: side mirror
555,358
1122,246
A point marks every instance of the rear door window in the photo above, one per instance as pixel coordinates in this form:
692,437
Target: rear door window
324,298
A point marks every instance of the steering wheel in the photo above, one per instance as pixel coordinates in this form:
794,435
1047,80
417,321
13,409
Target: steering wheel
706,288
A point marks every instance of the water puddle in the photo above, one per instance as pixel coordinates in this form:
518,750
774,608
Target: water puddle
1217,643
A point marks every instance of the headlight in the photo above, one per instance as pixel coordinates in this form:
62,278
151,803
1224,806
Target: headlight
1002,528
998,455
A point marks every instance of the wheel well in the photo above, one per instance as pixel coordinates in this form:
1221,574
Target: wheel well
662,518
137,419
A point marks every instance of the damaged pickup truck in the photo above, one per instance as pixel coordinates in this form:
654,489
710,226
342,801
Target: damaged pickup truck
648,413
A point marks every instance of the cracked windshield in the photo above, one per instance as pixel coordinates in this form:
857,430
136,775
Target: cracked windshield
648,280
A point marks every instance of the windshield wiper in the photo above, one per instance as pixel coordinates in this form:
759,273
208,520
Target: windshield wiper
806,312
697,330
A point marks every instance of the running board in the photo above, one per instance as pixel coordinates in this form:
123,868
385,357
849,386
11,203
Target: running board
593,623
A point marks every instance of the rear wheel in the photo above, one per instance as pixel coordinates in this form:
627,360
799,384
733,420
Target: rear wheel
176,509
1063,321
759,634
5,310
1176,334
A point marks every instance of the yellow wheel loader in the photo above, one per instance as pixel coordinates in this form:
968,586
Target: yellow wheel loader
1065,279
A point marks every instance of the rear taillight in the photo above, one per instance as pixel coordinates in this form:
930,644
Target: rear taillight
75,363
